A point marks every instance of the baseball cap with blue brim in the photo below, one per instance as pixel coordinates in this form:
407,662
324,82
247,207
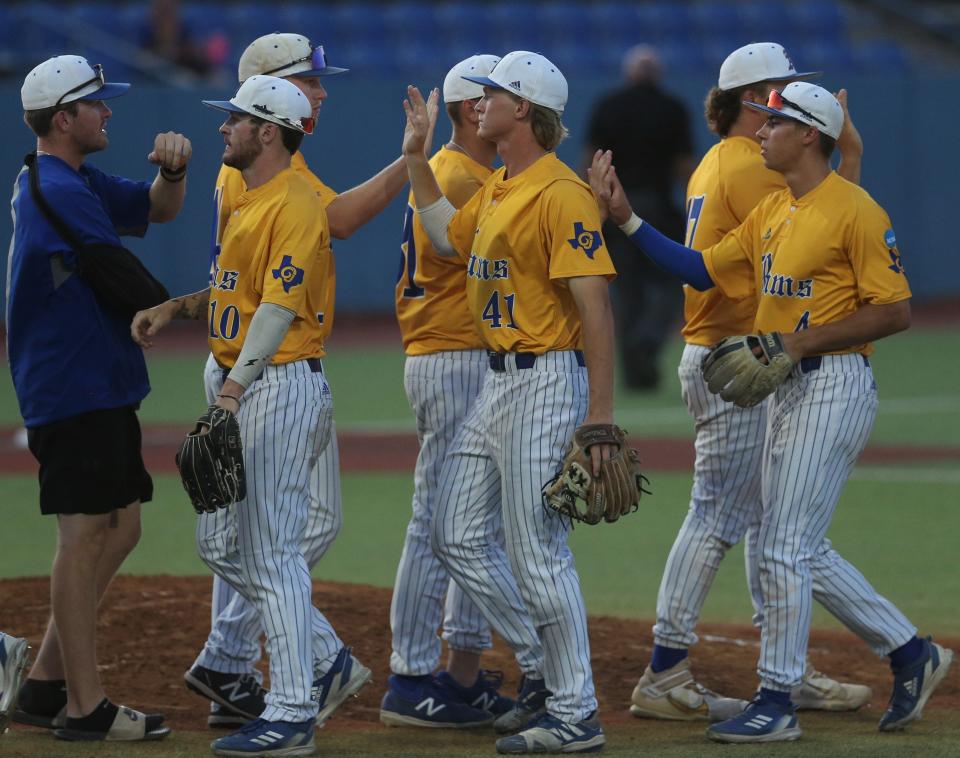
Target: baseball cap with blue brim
272,99
530,76
66,79
759,62
457,87
806,103
284,54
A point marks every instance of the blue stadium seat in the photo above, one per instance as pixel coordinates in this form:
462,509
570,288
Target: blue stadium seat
37,41
664,19
515,27
413,20
682,55
766,22
358,23
204,18
820,19
880,55
612,17
825,55
716,18
247,21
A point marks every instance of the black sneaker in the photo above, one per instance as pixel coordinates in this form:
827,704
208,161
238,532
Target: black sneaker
238,692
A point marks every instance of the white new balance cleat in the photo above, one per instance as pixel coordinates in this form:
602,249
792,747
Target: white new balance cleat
674,695
818,692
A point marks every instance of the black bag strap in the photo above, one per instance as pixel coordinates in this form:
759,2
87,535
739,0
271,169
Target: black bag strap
68,235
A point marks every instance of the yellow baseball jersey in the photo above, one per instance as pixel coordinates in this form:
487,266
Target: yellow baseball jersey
230,186
729,182
521,238
812,260
431,301
274,249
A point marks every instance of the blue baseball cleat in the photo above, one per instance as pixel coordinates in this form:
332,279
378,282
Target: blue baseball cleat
548,734
483,694
761,721
427,702
343,679
913,685
268,738
530,703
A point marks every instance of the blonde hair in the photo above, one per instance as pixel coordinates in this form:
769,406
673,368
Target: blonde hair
548,128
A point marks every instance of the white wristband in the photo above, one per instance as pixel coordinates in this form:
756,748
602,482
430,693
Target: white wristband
631,224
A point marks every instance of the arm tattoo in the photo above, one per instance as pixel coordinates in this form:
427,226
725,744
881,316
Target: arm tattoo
192,306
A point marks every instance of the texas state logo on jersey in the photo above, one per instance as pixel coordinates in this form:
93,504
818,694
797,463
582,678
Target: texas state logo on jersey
274,249
808,267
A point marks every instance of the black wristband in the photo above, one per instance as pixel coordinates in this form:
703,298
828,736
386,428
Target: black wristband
174,176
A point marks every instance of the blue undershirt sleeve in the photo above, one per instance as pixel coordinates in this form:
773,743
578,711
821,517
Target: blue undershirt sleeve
671,256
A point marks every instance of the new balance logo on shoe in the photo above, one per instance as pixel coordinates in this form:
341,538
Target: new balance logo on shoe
232,690
911,687
759,721
485,701
429,706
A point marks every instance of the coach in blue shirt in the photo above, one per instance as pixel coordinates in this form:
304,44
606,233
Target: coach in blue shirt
79,378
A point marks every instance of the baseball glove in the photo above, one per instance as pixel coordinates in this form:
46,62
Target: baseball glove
735,372
211,463
577,494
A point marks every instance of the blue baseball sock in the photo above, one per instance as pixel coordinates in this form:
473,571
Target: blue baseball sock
906,654
666,657
775,696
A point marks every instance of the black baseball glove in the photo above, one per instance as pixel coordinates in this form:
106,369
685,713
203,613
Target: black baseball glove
211,462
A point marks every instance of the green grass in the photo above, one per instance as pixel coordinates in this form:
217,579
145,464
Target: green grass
919,402
620,565
833,735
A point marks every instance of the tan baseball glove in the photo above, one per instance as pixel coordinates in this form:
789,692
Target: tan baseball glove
734,371
576,493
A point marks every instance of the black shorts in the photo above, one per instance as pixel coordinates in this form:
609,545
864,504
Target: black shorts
91,463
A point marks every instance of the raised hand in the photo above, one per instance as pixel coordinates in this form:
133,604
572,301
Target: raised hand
418,122
850,143
433,110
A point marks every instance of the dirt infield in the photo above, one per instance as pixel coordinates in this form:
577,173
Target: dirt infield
151,629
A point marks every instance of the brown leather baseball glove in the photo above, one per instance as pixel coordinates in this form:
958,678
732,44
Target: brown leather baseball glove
576,493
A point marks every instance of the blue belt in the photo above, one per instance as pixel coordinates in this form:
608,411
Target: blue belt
814,362
315,365
498,361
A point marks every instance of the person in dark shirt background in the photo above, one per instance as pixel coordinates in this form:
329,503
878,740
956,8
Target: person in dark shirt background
649,132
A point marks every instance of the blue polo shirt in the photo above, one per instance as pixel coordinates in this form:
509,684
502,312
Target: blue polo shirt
69,355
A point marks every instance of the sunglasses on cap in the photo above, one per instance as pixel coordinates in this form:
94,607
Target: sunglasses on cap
317,59
777,101
98,76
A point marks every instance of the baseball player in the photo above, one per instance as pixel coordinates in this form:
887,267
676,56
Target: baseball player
78,378
821,260
225,669
725,501
537,278
263,311
444,371
13,662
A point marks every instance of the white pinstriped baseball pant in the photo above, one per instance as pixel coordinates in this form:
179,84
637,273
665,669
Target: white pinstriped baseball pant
441,388
255,545
233,645
726,505
512,443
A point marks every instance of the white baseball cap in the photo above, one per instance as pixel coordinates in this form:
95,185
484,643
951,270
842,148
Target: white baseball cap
64,79
284,54
272,99
529,75
758,62
455,85
806,103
